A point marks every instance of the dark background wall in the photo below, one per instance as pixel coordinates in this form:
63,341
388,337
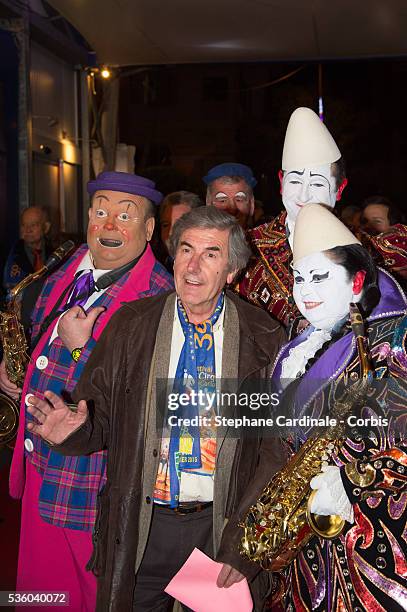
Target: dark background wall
9,512
185,119
8,142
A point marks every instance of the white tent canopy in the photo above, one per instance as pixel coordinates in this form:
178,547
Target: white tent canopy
134,32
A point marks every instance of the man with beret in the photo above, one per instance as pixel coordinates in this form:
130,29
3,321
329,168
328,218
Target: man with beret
60,495
230,188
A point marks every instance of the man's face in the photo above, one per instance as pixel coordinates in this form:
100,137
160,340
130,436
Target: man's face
375,218
233,198
117,230
201,270
32,227
168,218
302,186
322,290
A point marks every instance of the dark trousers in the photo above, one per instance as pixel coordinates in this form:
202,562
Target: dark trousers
171,540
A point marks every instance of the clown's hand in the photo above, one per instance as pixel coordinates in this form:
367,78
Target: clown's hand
55,420
75,326
330,497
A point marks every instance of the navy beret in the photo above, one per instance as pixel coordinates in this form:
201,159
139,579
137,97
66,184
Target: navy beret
231,169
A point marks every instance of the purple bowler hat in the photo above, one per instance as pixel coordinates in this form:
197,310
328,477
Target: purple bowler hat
128,183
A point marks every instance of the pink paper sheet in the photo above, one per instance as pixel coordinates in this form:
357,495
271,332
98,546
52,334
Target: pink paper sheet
195,586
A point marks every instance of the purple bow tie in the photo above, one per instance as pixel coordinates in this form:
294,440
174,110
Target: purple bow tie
83,287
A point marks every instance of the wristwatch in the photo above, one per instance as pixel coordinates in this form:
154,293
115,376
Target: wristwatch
76,353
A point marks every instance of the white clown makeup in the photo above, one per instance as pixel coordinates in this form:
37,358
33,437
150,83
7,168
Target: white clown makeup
302,186
234,198
322,290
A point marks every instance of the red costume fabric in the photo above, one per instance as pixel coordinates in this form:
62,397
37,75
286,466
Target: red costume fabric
268,280
389,249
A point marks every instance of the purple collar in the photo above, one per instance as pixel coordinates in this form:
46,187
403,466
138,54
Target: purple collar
393,300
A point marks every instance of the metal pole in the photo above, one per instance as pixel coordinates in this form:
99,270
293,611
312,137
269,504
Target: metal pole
85,145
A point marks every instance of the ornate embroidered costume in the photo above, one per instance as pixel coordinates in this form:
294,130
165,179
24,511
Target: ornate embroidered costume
268,280
366,567
389,250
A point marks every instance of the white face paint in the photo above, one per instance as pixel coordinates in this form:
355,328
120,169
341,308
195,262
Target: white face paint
322,290
308,185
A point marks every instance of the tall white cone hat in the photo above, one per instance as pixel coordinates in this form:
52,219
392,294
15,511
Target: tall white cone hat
317,229
308,142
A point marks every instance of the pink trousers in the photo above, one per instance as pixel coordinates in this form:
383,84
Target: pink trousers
53,558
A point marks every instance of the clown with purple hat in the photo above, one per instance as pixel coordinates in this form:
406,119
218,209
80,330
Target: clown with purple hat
60,494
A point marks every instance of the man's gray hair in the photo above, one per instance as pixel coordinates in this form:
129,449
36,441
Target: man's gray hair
209,217
227,180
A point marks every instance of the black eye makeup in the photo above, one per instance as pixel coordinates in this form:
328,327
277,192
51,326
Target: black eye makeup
317,278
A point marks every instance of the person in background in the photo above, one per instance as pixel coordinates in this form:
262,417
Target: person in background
31,251
379,214
384,234
172,208
230,188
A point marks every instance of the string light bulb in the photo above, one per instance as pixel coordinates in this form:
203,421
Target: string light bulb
105,73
